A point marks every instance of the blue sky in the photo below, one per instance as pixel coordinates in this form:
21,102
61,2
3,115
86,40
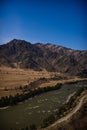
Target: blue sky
62,22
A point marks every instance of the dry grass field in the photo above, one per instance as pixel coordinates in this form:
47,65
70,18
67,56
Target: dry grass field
54,82
11,79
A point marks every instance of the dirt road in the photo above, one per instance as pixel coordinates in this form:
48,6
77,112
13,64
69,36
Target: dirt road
70,114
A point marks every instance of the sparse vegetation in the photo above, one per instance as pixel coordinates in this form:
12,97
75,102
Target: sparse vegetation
77,122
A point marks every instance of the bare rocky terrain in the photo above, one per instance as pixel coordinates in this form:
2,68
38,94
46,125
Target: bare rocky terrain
23,54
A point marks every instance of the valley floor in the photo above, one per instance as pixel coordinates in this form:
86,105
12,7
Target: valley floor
11,80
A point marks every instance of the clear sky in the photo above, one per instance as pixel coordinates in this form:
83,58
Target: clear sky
62,22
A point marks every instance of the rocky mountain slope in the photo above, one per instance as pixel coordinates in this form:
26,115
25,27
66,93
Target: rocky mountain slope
22,54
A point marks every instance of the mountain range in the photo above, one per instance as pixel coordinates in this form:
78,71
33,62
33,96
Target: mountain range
23,54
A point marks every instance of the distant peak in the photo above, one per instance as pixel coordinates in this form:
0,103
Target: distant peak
15,40
18,41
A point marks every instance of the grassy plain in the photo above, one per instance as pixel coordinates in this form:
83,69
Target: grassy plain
12,79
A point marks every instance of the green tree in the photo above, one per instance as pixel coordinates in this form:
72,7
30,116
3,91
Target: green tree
33,127
26,128
47,121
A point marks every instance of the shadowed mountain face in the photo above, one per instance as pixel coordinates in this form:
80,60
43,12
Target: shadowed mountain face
22,54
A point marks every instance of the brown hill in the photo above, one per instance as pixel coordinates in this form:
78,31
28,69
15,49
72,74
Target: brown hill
22,54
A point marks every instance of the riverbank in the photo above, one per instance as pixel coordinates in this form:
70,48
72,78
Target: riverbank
69,115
